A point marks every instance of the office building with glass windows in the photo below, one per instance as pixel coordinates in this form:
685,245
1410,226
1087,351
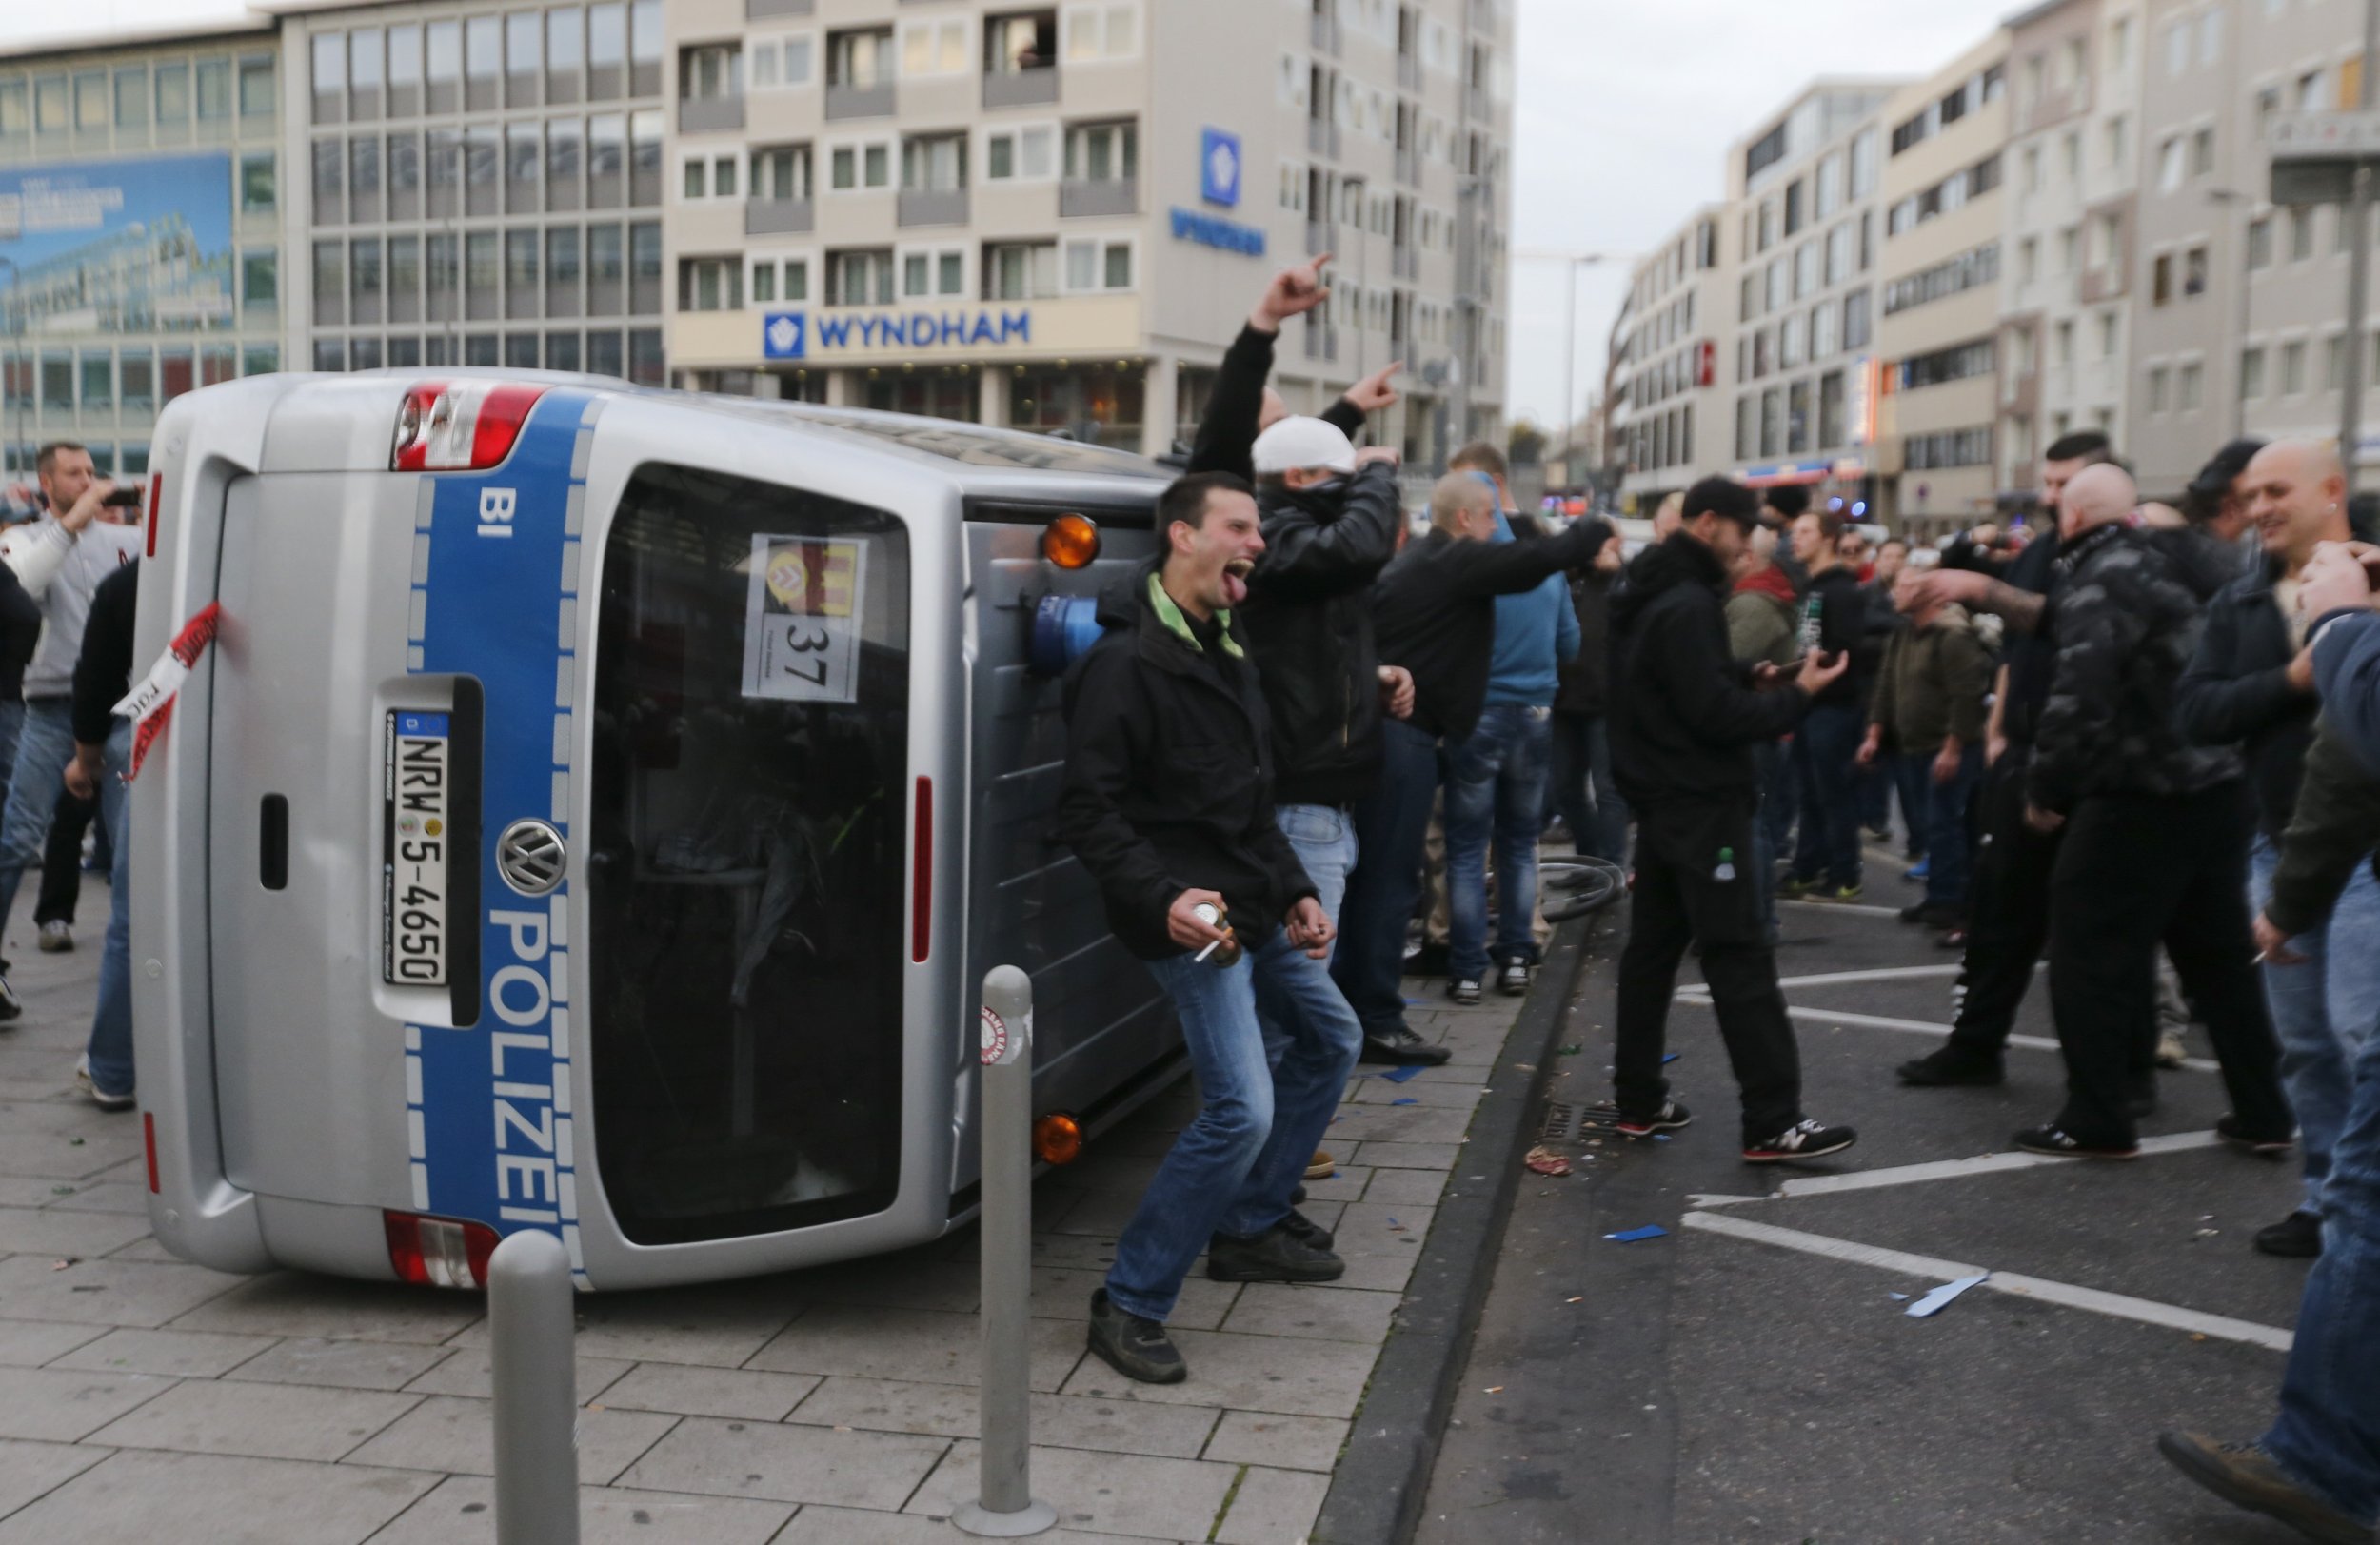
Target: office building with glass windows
1057,216
141,182
476,184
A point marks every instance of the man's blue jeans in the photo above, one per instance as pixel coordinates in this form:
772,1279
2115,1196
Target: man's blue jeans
110,1048
1830,796
44,748
2324,1010
1495,789
2328,1436
11,729
1939,823
1781,796
1232,1170
1391,823
1771,765
1324,839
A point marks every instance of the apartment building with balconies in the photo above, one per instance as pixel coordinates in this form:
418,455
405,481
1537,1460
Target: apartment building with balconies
1056,216
1674,368
2070,218
1938,334
1805,191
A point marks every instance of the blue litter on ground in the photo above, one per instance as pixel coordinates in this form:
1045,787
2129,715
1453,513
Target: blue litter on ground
1898,1298
1651,1230
1413,1002
1673,1057
1407,1100
1661,1136
1934,1302
1403,1075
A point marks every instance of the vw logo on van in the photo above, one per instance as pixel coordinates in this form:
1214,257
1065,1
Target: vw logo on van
530,857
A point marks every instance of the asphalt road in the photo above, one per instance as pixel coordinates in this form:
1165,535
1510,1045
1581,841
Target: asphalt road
1711,1388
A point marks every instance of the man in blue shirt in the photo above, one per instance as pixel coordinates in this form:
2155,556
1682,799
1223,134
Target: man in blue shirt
1495,775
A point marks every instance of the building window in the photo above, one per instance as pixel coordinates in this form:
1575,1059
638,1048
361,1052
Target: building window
2301,234
257,191
2335,362
710,73
214,90
1098,264
860,59
1091,33
260,277
927,275
852,168
710,283
935,48
2161,279
935,163
1019,270
1029,154
860,276
2292,367
780,173
1102,152
2195,271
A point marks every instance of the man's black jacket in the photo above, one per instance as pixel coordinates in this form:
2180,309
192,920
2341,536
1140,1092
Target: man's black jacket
1683,719
103,673
1227,435
1436,611
1309,622
1586,681
1169,781
2236,692
1835,620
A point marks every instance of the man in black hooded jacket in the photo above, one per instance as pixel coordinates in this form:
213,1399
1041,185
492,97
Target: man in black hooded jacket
1685,717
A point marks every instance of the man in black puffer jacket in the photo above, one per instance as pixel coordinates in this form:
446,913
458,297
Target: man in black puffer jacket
1685,716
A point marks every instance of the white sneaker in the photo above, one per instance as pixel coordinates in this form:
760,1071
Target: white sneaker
2172,1051
57,936
97,1096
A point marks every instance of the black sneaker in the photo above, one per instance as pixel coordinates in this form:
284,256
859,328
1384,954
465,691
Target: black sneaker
1515,979
1464,990
1275,1256
2058,1141
1401,1046
2269,1146
1313,1235
1669,1118
2246,1477
1946,1067
1137,1348
2297,1237
1803,1140
1914,913
9,1007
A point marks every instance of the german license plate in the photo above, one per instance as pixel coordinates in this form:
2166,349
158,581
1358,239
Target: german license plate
416,842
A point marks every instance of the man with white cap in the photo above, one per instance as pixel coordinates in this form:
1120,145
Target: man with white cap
1329,514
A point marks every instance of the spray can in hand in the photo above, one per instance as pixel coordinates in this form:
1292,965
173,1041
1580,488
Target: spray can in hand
1224,950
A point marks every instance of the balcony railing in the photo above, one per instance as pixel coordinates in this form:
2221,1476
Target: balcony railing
709,114
769,11
779,217
874,101
1021,88
932,206
1079,198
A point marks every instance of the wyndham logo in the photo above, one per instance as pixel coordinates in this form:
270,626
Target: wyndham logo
1219,167
784,336
787,335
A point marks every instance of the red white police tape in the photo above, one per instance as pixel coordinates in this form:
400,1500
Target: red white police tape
150,705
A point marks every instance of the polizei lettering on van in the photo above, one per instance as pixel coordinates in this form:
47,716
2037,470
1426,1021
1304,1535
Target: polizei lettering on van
489,1106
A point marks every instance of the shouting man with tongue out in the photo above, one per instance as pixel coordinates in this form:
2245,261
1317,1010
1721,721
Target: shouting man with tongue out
1168,802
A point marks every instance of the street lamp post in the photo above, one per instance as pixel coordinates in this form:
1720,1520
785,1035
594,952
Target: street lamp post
1570,322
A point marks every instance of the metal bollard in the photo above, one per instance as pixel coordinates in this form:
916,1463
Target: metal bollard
1005,1508
529,1331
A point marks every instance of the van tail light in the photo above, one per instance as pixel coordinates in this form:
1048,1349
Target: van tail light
157,497
149,1141
1058,1138
922,877
439,1251
459,426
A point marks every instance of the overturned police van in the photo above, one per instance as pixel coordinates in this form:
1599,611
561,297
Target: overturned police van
596,813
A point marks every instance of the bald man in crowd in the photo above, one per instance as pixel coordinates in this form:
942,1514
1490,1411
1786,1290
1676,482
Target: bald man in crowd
2251,686
2156,846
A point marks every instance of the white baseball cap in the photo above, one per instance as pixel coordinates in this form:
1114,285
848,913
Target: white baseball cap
1302,444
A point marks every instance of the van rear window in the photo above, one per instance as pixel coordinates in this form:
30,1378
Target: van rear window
745,884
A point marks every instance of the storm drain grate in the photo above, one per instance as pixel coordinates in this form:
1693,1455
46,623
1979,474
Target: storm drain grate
1574,1123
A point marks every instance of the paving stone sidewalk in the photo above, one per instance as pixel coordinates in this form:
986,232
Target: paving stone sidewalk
141,1398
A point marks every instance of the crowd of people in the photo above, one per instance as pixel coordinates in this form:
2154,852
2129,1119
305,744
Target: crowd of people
2125,731
68,583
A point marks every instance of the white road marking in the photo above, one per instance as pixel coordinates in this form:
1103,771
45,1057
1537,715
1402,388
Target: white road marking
1885,973
2117,1305
1700,998
1952,1169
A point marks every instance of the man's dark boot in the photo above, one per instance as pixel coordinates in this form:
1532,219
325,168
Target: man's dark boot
1137,1348
2246,1477
1946,1066
1277,1255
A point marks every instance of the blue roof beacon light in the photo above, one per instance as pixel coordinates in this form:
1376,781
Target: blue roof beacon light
1064,628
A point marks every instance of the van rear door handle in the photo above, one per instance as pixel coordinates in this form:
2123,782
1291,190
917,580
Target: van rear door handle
272,843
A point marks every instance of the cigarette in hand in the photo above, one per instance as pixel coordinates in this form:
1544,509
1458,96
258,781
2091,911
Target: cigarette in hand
1212,945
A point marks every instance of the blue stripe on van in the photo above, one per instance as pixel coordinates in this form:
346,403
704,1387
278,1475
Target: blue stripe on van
496,597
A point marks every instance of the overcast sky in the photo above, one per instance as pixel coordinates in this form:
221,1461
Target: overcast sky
1624,113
